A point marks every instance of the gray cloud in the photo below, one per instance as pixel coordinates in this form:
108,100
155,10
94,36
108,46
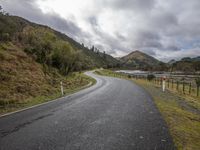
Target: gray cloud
160,28
145,5
30,11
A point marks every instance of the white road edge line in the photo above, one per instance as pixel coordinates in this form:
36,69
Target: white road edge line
21,110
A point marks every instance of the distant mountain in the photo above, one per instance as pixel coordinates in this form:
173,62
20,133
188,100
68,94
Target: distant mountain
171,61
186,59
196,58
140,60
191,59
186,64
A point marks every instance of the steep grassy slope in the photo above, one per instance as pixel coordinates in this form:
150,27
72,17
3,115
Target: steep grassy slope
23,81
139,60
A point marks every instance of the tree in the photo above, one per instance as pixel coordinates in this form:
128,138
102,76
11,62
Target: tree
196,65
2,12
5,37
104,54
64,57
97,51
92,49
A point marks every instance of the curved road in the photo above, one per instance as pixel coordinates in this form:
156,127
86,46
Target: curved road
114,114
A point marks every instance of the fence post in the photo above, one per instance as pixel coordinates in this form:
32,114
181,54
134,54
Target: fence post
177,86
197,91
168,83
190,86
183,87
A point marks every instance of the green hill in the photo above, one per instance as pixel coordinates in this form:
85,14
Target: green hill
142,61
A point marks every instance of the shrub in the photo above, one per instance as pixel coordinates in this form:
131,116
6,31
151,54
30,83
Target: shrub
150,77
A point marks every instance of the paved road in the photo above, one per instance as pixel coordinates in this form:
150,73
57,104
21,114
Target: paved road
114,114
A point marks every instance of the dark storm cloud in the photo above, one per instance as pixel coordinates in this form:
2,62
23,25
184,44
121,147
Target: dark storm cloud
163,20
148,39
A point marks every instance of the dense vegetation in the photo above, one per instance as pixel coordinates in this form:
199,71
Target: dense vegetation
187,65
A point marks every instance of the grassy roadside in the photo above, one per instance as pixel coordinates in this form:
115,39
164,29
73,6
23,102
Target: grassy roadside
24,82
72,83
180,112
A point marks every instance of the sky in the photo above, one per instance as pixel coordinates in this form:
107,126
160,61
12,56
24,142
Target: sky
163,29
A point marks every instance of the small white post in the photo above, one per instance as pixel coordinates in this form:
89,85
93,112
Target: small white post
163,83
61,87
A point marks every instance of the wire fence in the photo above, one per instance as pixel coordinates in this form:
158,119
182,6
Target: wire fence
181,85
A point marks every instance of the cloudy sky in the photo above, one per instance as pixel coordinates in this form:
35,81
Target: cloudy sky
163,29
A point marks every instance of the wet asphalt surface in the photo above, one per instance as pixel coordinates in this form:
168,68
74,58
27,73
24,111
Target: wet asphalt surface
114,114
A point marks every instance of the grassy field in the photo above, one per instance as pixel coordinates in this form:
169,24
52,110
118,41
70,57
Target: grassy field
181,112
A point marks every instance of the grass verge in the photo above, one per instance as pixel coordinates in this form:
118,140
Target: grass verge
181,115
72,83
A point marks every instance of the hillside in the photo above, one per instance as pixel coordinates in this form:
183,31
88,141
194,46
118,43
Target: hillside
35,58
171,61
90,58
187,65
140,60
46,44
24,82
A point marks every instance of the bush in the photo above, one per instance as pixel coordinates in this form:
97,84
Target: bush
150,77
5,37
